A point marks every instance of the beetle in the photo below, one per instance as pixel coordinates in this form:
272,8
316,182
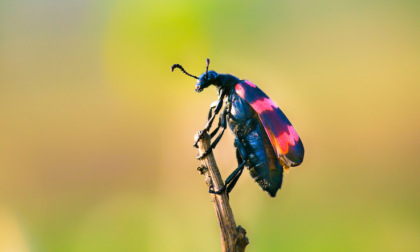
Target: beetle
265,140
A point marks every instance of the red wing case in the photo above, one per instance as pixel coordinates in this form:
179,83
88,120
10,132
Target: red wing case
284,139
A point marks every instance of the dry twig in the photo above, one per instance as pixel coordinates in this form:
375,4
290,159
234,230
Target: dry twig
233,238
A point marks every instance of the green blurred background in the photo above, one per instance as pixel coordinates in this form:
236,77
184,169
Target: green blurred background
96,133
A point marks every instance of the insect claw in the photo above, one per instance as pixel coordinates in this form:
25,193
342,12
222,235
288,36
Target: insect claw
220,192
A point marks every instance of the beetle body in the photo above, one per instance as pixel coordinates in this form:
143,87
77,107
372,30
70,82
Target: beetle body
253,143
265,141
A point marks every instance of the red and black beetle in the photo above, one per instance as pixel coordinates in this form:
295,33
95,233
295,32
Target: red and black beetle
266,142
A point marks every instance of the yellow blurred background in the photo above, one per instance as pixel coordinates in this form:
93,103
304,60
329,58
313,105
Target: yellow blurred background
96,133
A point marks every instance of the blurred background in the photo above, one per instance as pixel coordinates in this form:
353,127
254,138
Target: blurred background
96,133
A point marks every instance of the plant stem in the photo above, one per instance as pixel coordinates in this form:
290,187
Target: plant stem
233,238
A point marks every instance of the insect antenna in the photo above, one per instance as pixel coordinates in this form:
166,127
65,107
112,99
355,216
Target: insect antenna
207,68
182,69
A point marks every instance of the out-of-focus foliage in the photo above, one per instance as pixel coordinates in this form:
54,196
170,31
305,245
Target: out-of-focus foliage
96,133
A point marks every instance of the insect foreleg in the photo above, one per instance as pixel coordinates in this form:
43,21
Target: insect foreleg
211,119
223,125
216,111
212,106
222,121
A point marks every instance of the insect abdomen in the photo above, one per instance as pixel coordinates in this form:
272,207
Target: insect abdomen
263,164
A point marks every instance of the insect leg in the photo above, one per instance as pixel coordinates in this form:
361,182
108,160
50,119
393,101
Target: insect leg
210,121
223,125
228,107
214,132
212,106
216,111
234,176
231,180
